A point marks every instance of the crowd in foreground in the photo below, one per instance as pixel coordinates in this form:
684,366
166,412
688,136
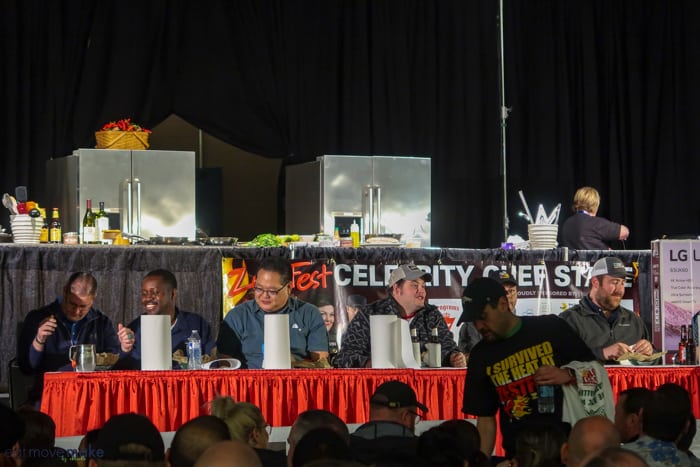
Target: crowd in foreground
654,428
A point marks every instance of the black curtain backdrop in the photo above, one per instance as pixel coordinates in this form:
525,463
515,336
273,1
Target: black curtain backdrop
602,93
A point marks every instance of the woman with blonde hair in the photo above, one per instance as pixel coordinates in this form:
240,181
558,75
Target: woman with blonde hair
246,423
585,230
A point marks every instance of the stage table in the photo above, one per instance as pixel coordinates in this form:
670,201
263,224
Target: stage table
78,402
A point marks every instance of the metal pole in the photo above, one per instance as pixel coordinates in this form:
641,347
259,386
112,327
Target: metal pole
504,117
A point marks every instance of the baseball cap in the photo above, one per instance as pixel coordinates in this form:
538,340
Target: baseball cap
356,300
504,277
395,394
130,428
409,272
610,266
476,295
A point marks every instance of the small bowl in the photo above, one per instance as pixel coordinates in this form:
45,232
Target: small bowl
219,241
70,238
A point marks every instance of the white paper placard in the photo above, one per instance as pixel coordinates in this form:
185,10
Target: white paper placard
276,355
156,343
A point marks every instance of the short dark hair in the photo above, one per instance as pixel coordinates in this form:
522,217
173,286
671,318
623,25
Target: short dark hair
636,399
317,418
39,429
167,276
279,265
666,414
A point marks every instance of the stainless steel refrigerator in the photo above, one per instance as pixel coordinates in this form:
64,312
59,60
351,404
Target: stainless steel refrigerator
382,194
146,193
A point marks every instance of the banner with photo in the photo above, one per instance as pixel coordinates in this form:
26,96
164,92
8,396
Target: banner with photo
339,286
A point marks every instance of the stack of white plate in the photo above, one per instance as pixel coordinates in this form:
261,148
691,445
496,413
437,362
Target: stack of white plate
26,229
543,236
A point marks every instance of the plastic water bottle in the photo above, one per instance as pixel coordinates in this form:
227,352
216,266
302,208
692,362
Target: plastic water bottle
194,351
545,398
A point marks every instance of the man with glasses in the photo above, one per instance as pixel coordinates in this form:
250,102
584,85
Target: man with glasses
242,333
609,329
389,435
468,335
407,300
158,294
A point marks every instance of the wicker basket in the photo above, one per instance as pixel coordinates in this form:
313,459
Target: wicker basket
121,139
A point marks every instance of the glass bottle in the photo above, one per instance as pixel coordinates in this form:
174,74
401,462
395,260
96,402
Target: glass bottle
44,234
101,223
89,224
355,234
690,347
682,357
434,350
55,227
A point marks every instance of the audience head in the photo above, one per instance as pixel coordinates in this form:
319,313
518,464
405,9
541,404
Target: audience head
588,435
665,417
232,453
466,431
273,284
245,421
686,439
158,292
195,437
39,429
628,412
586,199
87,447
615,456
446,446
78,295
129,439
312,419
539,446
320,444
11,429
395,401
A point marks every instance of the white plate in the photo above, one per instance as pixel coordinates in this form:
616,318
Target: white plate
383,245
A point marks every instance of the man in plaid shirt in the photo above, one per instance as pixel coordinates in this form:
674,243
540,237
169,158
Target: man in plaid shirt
407,301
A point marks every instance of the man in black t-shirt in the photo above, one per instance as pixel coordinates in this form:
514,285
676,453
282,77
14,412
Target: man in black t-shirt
515,356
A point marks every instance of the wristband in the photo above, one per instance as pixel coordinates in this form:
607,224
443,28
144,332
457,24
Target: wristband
36,339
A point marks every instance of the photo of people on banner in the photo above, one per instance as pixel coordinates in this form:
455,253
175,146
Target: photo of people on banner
340,289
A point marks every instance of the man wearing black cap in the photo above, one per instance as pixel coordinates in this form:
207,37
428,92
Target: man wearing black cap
468,335
394,411
609,329
407,301
515,356
129,437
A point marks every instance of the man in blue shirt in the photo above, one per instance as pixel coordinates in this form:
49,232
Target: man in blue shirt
242,333
158,293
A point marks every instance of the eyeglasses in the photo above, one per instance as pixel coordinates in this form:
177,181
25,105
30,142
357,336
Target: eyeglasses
270,293
417,415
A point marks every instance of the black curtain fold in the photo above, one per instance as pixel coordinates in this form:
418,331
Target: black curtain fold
602,93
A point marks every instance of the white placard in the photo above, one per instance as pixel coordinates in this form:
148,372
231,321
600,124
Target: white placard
381,330
156,343
276,354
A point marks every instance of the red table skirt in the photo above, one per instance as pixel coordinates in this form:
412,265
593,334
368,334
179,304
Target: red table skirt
79,402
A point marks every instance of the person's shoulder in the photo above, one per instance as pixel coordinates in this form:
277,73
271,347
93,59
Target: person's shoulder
135,323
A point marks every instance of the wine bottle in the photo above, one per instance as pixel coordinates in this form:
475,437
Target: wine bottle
101,223
89,224
55,227
682,358
415,344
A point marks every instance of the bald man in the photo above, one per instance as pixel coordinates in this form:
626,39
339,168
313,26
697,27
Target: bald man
229,454
588,435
